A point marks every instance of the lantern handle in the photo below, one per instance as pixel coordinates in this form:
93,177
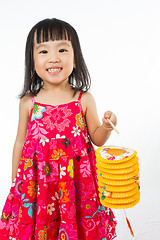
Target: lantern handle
113,126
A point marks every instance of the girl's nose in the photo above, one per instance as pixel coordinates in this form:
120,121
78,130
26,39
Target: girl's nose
54,59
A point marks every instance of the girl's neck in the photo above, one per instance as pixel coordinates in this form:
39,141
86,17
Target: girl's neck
62,87
56,95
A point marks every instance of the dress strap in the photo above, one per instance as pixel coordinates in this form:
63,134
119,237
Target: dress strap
80,95
32,100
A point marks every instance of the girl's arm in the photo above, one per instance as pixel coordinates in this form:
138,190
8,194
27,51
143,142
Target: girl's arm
99,133
24,108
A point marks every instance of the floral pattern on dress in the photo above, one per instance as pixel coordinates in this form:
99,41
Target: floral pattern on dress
55,193
70,168
57,155
43,234
57,119
37,112
80,121
28,163
33,189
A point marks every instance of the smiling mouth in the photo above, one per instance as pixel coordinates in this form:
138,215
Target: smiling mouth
54,70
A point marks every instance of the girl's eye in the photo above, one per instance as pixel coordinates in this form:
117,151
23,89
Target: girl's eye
62,50
43,52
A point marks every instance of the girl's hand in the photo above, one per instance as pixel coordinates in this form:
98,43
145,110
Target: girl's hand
109,115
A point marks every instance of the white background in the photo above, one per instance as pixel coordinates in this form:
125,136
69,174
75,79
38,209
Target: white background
120,40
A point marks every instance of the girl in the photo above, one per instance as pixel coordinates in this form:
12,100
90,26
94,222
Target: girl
54,193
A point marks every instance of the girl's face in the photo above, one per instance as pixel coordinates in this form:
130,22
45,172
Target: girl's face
53,61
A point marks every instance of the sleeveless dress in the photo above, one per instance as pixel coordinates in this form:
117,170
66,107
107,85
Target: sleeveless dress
55,195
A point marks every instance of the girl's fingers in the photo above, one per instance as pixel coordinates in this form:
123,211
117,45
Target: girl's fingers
106,124
111,116
108,114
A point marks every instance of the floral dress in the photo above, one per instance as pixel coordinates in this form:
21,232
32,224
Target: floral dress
54,195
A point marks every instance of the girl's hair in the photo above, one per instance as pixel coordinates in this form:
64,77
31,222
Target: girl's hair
54,29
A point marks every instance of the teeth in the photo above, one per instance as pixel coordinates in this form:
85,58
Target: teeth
54,70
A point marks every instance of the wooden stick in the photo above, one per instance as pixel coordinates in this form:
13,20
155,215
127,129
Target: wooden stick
113,125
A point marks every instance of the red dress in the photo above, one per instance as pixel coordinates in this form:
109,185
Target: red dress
55,195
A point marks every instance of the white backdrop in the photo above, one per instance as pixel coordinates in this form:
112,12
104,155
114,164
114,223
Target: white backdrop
121,45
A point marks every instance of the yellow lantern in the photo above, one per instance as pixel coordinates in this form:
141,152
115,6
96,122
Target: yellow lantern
118,177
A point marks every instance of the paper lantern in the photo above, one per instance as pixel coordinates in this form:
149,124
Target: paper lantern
118,177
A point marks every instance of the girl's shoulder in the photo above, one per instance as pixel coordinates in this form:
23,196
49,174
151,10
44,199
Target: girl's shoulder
87,98
26,103
24,113
87,101
26,100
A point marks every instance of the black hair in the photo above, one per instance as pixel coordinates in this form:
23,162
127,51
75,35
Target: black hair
54,29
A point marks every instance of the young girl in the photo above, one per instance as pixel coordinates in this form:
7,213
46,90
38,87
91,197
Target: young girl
54,193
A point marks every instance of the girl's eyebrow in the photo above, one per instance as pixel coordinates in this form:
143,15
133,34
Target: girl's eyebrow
40,45
64,43
58,44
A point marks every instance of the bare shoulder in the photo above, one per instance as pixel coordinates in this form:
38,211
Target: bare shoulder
87,101
87,98
26,100
88,95
25,103
24,113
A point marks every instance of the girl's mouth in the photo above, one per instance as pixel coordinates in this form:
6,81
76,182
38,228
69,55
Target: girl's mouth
54,70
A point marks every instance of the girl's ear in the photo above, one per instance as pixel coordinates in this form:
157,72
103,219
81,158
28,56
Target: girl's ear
74,65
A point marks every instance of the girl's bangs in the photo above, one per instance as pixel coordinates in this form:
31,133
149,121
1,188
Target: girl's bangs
52,32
